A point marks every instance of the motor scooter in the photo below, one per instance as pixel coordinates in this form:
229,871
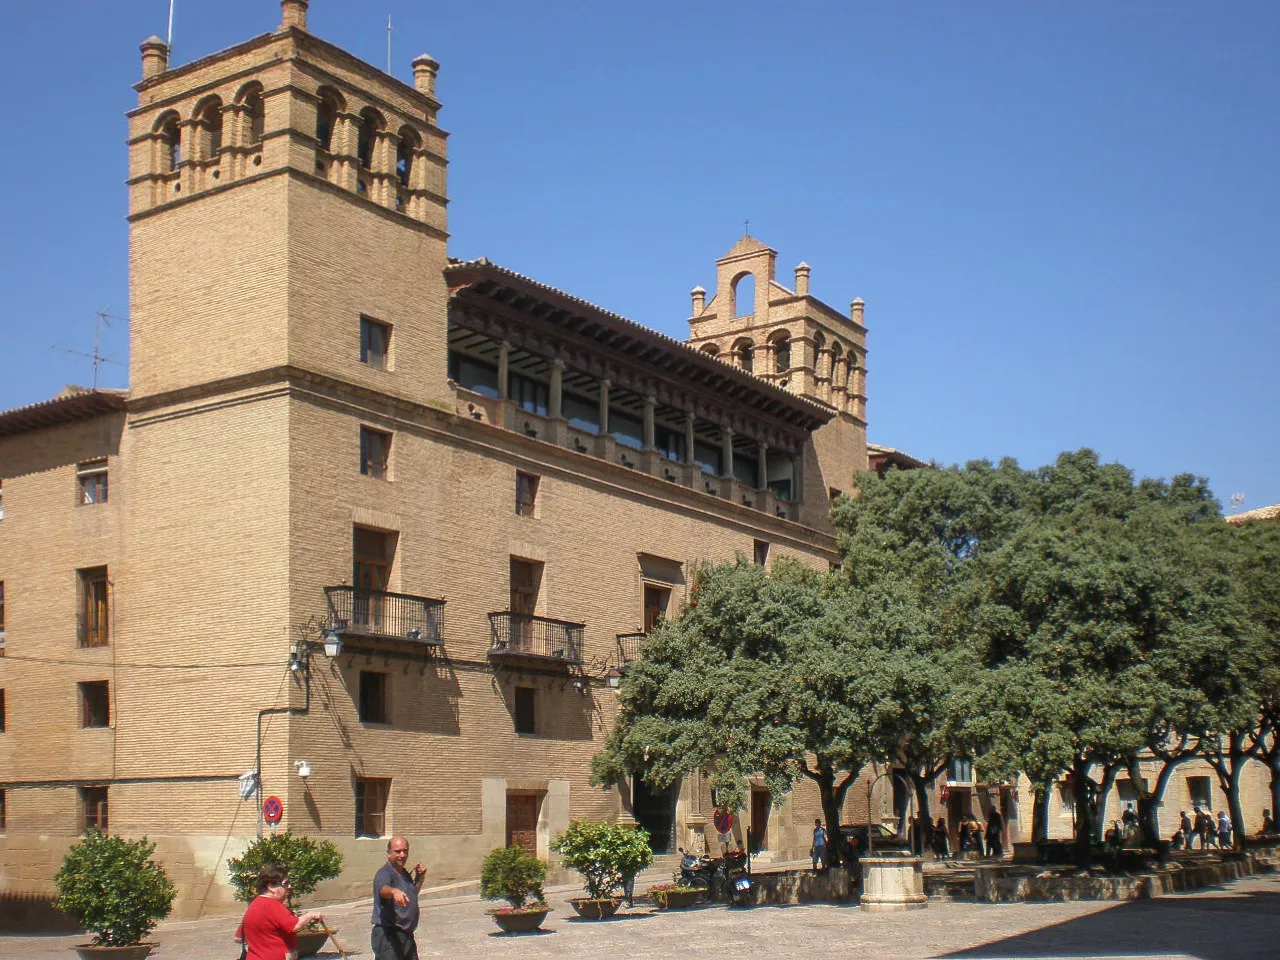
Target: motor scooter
695,871
737,872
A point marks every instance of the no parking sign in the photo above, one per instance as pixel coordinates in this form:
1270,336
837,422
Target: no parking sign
723,820
272,810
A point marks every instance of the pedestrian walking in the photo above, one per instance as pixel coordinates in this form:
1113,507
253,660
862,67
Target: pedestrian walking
1184,826
395,905
818,852
941,843
995,834
1224,830
269,930
1201,820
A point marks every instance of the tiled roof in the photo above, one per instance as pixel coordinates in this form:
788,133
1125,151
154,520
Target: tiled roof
896,456
74,403
817,414
1261,513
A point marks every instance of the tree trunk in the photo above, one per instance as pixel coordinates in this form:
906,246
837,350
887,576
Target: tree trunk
1237,811
1084,827
1040,814
1100,801
1275,776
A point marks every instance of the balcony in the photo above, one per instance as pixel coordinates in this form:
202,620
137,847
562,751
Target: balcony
356,612
522,636
629,647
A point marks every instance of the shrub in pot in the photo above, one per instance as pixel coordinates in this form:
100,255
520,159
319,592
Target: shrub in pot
515,875
113,888
310,862
606,855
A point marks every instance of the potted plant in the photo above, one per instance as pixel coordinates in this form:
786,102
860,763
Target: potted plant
309,862
672,896
607,856
112,888
515,875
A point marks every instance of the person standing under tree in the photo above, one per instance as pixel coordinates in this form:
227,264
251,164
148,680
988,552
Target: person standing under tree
395,905
818,852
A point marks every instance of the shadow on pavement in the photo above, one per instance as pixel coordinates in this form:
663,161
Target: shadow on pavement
1240,927
616,918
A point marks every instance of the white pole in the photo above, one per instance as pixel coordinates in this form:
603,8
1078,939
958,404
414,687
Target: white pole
388,42
169,42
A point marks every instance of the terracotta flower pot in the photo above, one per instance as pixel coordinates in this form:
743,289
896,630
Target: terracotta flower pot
524,921
590,909
137,951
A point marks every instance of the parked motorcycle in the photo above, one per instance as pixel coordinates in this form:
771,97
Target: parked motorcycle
696,871
738,879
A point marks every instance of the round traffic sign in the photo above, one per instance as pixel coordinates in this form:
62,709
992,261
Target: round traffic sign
723,820
272,809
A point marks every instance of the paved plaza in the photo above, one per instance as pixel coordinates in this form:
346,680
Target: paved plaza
1238,920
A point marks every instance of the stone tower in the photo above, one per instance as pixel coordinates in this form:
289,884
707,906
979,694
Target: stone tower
792,339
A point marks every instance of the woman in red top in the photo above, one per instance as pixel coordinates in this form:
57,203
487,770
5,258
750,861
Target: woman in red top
269,929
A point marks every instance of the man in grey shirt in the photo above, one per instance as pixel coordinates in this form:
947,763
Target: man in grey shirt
395,904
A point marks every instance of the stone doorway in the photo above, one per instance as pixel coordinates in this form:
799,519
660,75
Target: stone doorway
655,809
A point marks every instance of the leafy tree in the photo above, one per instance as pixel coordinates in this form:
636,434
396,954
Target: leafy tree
604,853
1097,618
113,888
309,861
790,675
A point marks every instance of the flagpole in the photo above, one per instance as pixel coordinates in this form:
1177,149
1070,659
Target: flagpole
169,42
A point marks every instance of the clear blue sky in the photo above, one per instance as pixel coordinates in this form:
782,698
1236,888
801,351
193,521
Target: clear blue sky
1064,218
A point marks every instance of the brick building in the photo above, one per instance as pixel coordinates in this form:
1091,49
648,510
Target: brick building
477,491
484,488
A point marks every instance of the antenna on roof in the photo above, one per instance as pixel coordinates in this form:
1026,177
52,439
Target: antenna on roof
101,319
1237,501
388,43
169,41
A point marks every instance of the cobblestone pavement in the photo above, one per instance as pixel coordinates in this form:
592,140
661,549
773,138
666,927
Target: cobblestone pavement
1233,922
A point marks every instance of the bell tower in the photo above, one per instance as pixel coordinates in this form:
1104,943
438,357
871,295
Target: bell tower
795,341
278,191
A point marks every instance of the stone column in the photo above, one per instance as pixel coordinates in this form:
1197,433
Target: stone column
604,408
556,407
726,455
504,367
650,403
763,473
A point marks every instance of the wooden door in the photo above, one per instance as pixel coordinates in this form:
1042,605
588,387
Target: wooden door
372,553
526,577
522,821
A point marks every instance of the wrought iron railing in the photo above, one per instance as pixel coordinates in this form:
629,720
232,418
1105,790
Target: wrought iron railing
522,633
376,613
629,646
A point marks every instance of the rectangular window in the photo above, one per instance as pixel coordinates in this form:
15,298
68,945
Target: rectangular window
670,443
526,579
746,470
522,713
1201,792
626,429
582,414
761,556
474,375
375,343
375,452
95,607
708,457
95,704
2,714
93,808
374,706
960,770
92,478
528,394
371,806
656,601
526,494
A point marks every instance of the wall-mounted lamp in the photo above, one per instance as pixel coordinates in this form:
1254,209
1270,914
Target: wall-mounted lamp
332,643
297,658
303,768
613,678
581,684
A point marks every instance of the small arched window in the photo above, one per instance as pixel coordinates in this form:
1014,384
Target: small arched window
170,137
250,97
405,149
837,358
744,353
209,124
370,124
819,342
327,117
710,349
781,353
743,295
